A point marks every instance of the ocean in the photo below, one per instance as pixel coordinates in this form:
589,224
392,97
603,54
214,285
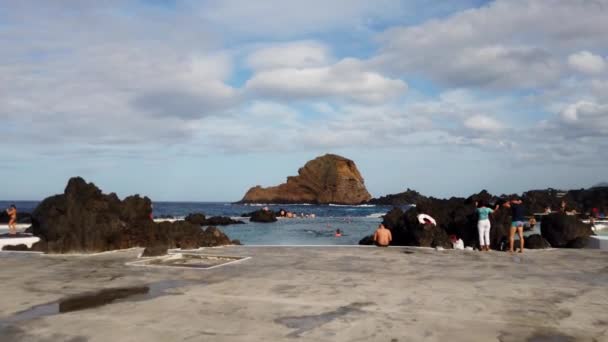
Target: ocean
355,222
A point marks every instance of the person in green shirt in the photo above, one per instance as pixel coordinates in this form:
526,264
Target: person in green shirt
484,225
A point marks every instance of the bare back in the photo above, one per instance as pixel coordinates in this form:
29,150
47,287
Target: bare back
383,236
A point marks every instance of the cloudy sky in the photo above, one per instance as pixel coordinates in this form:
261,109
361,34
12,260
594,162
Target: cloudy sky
199,100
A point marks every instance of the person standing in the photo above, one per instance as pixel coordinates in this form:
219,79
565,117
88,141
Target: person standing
12,222
484,226
382,236
517,224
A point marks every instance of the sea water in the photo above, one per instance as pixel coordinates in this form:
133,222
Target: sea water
355,222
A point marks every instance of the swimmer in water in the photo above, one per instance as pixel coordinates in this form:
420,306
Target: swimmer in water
338,233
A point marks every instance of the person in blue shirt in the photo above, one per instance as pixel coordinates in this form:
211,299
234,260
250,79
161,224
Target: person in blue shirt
483,225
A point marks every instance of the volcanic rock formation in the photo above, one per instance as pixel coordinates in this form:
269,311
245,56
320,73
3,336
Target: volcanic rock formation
324,180
83,219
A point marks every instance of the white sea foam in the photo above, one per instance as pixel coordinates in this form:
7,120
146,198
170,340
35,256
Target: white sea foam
353,205
376,215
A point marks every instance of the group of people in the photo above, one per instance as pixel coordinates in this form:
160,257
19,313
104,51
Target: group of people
383,236
518,220
289,214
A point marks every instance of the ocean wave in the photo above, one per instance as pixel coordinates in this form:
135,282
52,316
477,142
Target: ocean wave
276,204
353,205
376,215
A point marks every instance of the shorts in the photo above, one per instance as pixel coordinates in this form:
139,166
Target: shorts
516,224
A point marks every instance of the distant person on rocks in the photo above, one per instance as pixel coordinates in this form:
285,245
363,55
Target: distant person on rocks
517,224
382,236
12,222
484,226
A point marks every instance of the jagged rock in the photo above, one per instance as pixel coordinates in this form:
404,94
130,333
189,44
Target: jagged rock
154,251
326,179
263,216
214,237
404,198
562,230
19,248
579,242
201,220
407,231
368,240
83,219
196,218
536,241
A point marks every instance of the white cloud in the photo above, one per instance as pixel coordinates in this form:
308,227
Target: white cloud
347,79
283,18
483,124
587,62
585,118
299,54
507,44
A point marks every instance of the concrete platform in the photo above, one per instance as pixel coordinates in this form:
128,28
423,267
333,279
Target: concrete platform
316,294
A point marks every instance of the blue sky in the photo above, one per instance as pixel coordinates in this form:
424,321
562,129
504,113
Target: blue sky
199,100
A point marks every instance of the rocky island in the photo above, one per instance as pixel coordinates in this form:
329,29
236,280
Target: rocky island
323,180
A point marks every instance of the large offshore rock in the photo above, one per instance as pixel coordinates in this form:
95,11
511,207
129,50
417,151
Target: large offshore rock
324,180
83,219
562,230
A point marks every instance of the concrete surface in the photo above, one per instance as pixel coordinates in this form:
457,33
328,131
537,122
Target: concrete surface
318,294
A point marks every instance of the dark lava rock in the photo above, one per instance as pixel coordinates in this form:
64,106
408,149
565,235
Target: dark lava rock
368,240
536,241
83,219
404,198
263,216
561,230
579,242
153,251
455,216
200,219
214,237
196,218
407,231
20,248
221,221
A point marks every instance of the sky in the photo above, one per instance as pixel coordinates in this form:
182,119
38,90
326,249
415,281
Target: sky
200,100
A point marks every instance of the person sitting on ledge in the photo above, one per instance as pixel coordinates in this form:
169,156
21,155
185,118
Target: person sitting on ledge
382,236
